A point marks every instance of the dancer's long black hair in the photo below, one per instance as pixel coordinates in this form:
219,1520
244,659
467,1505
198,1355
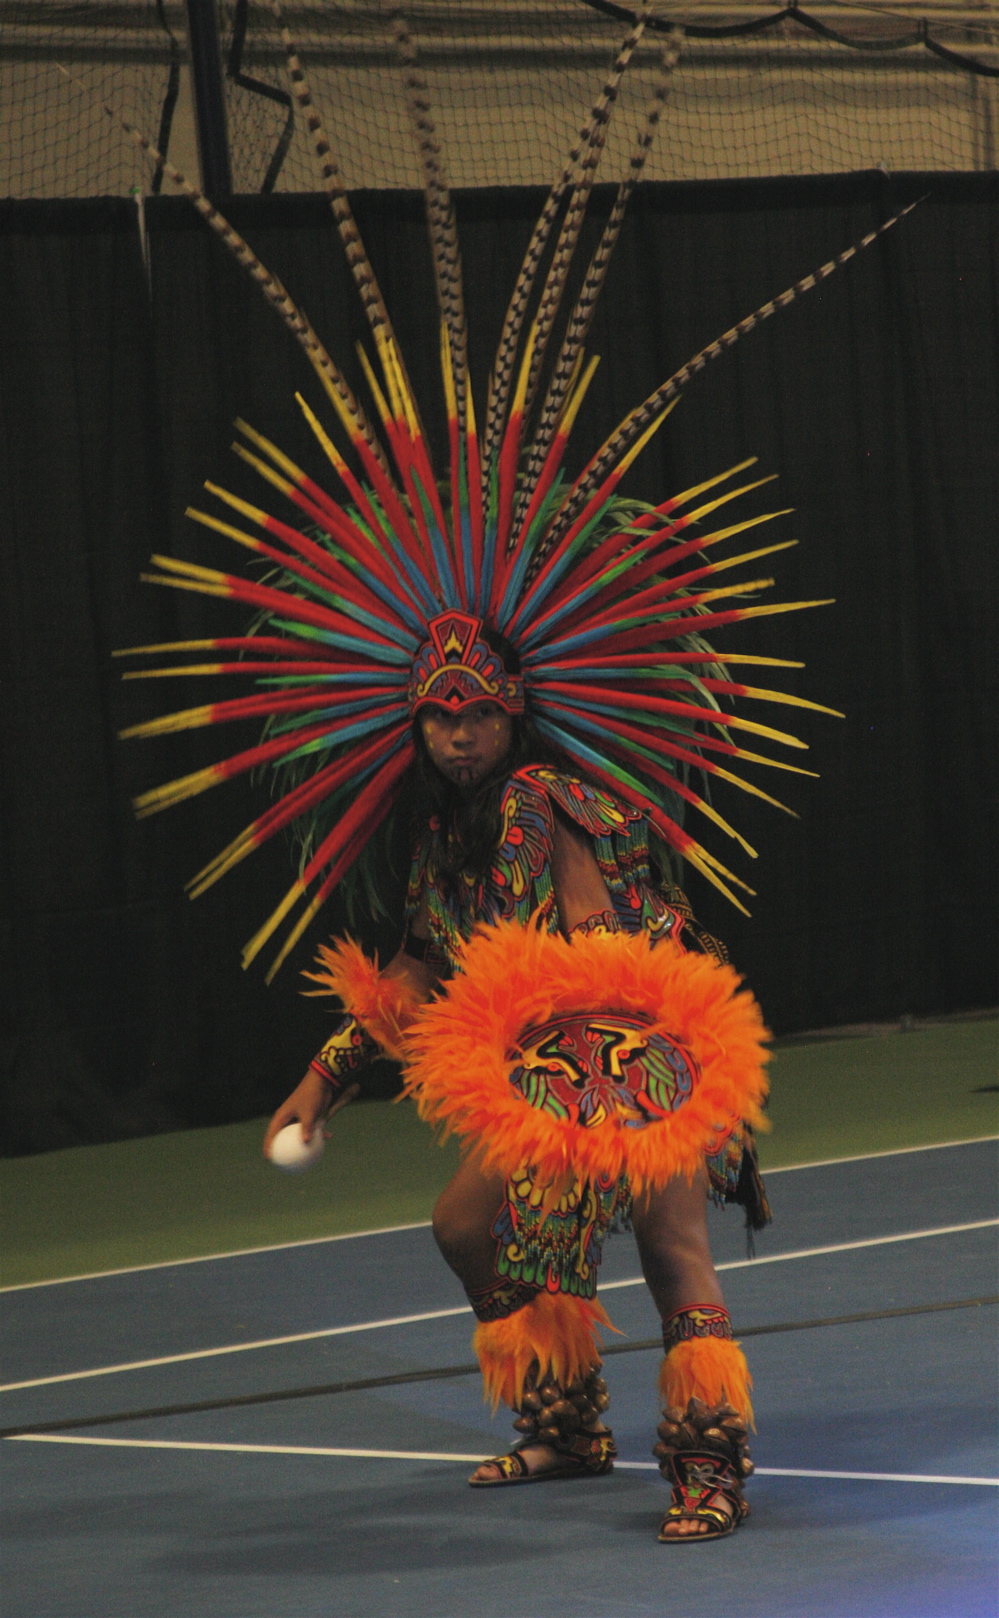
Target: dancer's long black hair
473,818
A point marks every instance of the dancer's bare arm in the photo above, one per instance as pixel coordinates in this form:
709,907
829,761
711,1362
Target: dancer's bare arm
580,890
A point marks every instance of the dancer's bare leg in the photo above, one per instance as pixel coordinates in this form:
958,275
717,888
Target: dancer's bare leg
463,1219
671,1228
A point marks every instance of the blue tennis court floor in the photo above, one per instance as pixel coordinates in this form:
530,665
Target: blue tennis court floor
875,1496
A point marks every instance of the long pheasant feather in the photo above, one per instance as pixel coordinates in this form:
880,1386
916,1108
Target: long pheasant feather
506,354
440,212
572,224
582,315
638,419
329,375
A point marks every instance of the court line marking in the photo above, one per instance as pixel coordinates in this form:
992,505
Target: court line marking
438,1455
441,1373
236,1252
464,1309
865,1157
424,1224
817,1252
799,1472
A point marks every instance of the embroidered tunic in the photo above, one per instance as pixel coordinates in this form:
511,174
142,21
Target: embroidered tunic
519,882
540,1245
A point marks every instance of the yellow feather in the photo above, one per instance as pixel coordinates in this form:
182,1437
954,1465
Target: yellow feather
709,483
730,723
161,674
398,374
237,850
280,483
733,494
376,393
576,399
640,443
716,882
332,453
186,786
775,763
520,393
167,724
735,590
242,506
302,923
188,570
716,865
747,786
223,528
784,606
278,456
166,646
792,702
712,814
197,586
259,939
751,556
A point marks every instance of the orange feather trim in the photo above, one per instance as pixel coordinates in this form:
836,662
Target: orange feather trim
384,1005
709,1368
462,1046
554,1333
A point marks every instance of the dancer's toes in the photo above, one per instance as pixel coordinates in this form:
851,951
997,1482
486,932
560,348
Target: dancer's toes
518,1466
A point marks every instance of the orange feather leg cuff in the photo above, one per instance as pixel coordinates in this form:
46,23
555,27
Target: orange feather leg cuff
709,1369
552,1335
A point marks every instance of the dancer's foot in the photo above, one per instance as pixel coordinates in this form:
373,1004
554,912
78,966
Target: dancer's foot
702,1453
692,1527
564,1435
536,1463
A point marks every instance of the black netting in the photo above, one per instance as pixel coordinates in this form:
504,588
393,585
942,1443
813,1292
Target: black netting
512,83
59,64
846,87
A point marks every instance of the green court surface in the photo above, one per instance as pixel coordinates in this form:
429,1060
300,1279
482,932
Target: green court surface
203,1191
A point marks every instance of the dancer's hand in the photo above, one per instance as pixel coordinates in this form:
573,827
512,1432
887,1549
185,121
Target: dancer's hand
309,1103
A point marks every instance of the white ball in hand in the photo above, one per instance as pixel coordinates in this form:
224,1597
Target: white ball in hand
293,1154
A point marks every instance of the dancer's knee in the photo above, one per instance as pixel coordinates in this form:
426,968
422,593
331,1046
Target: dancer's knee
456,1230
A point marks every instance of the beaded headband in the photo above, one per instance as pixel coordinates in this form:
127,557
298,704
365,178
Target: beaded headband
456,667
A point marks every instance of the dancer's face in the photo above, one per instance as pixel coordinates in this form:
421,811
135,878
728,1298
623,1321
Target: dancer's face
468,745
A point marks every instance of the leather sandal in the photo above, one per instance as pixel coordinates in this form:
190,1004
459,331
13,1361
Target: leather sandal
561,1419
703,1454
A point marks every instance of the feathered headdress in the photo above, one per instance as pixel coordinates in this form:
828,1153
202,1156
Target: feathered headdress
603,601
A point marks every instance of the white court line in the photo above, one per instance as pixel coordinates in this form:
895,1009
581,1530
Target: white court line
860,1477
438,1455
866,1157
239,1252
816,1252
424,1224
463,1309
237,1348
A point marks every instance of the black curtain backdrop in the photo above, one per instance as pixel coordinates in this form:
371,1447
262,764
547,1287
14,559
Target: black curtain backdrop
875,399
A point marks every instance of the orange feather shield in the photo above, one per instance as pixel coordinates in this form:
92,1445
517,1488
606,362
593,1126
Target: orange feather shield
603,1056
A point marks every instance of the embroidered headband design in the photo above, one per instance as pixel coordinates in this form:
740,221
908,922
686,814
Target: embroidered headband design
456,667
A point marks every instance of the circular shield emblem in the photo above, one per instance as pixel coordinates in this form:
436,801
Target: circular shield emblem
591,1069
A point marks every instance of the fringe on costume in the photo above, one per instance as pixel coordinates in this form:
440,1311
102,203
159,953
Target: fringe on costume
553,1335
461,1048
711,1369
384,1006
